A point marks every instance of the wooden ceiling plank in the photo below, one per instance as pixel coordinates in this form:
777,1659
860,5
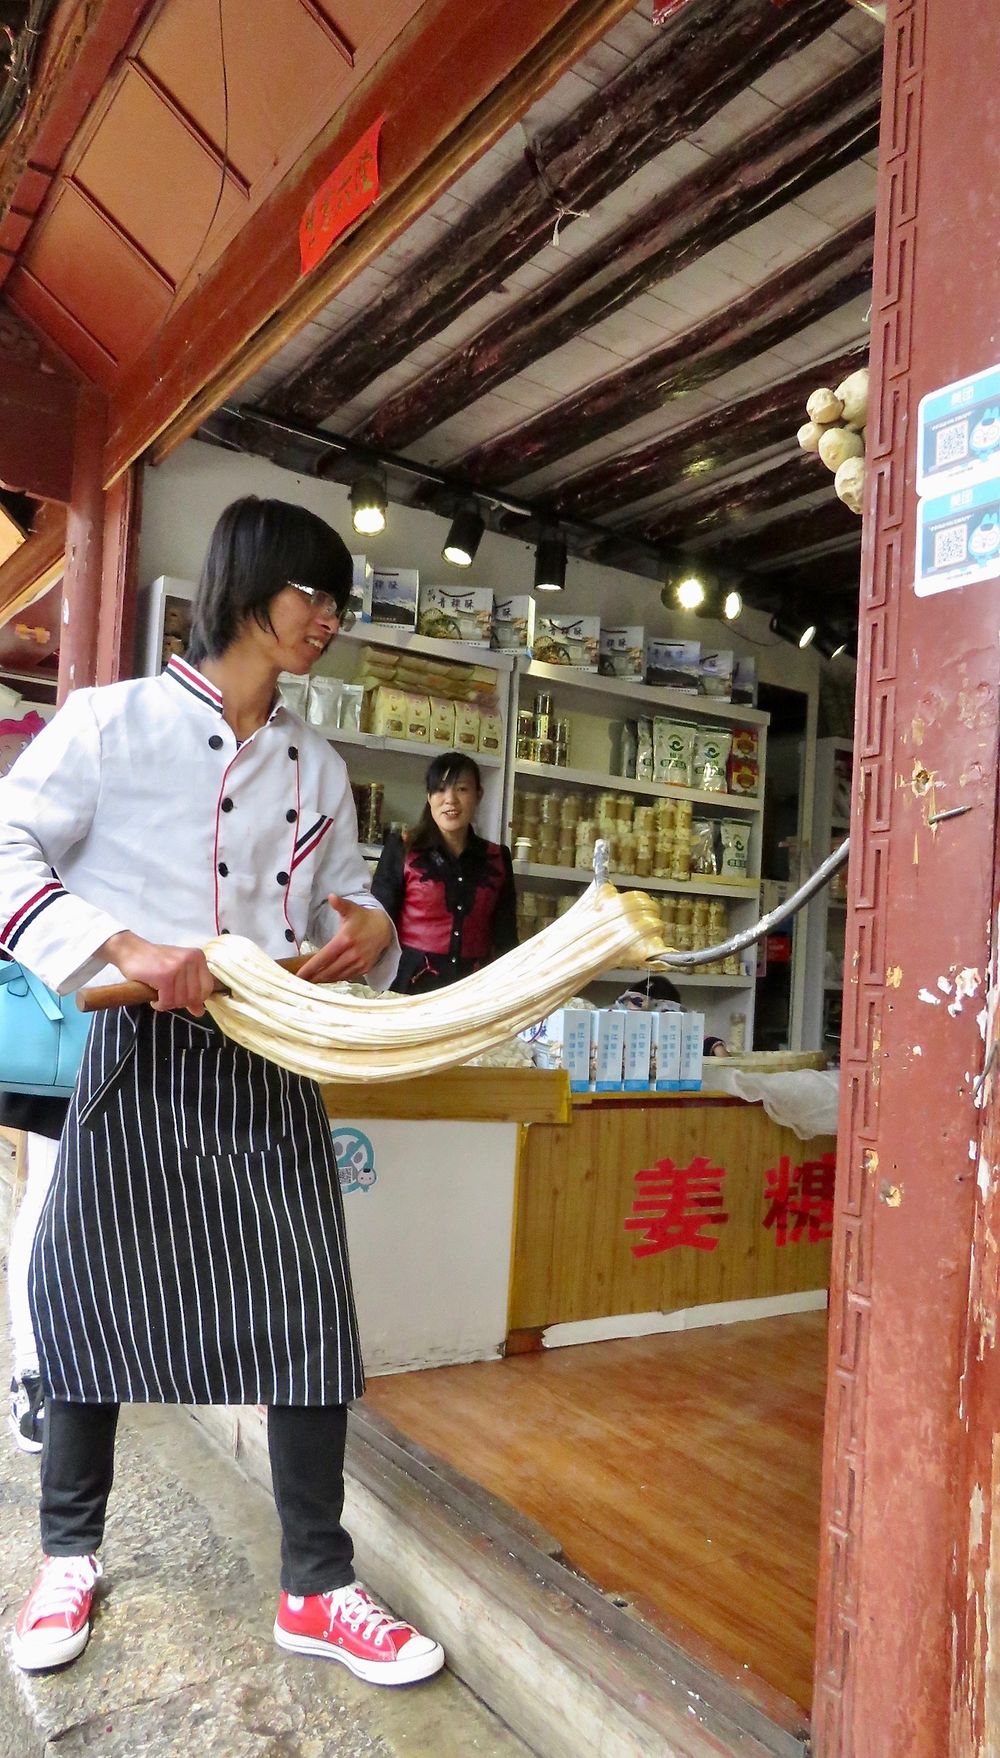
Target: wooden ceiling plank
83,44
34,561
450,86
37,422
828,129
830,526
798,295
710,52
728,503
702,447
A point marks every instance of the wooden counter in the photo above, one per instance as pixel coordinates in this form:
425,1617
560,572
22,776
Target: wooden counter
477,1095
661,1203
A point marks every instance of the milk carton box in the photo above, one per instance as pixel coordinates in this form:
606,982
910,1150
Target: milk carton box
360,600
395,594
667,1051
621,651
638,1050
563,640
609,1072
455,613
567,1036
692,1051
510,623
674,665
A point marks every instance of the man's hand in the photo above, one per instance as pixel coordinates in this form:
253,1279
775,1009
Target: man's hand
179,974
359,942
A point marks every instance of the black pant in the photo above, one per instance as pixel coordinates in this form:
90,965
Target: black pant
306,1448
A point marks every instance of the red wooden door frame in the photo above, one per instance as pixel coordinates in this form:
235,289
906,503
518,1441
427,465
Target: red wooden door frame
902,1635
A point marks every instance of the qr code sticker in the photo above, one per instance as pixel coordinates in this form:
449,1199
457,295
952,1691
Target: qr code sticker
951,546
951,444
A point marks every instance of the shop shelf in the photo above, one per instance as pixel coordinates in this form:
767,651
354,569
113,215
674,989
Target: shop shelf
405,747
623,691
746,889
651,789
406,641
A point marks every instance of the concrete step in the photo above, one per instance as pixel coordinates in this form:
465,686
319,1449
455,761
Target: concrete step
181,1662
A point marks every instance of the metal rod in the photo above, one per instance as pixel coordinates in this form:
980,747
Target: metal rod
739,942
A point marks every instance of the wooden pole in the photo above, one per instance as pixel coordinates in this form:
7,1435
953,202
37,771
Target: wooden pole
84,548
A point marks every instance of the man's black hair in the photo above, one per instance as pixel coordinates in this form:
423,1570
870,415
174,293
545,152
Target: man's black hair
257,547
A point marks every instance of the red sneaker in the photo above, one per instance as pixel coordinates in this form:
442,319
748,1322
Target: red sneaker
54,1622
348,1626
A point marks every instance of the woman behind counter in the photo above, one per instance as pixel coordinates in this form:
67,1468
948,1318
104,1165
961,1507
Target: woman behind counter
450,893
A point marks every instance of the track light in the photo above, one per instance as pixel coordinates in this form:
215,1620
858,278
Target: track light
793,632
705,597
369,505
464,537
550,563
690,592
829,644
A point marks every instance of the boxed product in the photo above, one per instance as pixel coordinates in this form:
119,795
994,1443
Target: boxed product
638,1050
466,727
745,679
360,600
398,714
567,1035
510,623
716,675
666,1051
692,1051
395,596
563,640
743,772
673,665
621,651
610,1067
490,733
455,613
442,721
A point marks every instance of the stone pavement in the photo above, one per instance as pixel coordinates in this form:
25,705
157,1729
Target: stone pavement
181,1659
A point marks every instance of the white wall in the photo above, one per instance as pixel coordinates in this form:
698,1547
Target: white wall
183,498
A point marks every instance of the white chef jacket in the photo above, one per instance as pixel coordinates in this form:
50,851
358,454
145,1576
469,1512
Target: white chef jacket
136,807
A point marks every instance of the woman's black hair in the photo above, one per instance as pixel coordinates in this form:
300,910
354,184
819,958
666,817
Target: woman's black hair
257,547
446,767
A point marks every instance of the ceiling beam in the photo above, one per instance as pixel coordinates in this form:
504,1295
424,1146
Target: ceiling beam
830,526
449,87
710,52
83,44
798,295
728,503
36,563
829,128
701,448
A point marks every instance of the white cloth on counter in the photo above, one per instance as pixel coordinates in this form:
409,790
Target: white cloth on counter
136,807
802,1099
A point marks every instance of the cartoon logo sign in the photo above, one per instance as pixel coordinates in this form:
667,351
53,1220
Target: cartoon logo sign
355,1158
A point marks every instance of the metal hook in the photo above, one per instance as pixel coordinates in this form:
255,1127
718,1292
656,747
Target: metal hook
601,863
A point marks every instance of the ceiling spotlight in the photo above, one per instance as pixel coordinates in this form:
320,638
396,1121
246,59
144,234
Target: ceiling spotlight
793,632
464,536
550,563
690,592
732,605
369,505
830,645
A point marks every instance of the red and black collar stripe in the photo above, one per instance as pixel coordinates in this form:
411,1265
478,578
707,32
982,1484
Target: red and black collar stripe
191,679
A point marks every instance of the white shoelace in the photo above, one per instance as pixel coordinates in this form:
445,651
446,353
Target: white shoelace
362,1614
63,1584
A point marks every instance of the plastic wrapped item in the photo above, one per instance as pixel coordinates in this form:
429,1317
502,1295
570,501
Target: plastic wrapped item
323,704
674,752
626,748
711,754
349,707
644,750
294,691
704,861
735,838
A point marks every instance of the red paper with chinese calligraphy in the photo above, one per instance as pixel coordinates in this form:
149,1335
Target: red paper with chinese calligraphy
345,194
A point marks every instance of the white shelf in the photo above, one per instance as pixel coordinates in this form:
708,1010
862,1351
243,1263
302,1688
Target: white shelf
623,690
406,747
747,889
407,641
677,977
626,784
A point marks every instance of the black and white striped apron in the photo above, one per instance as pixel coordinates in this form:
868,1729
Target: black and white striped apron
192,1246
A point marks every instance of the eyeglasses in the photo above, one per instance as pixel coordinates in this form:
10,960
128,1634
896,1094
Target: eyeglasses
325,605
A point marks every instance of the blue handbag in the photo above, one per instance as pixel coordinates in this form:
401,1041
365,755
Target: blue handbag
42,1035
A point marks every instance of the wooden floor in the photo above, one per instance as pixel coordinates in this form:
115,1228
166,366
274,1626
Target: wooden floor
680,1471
